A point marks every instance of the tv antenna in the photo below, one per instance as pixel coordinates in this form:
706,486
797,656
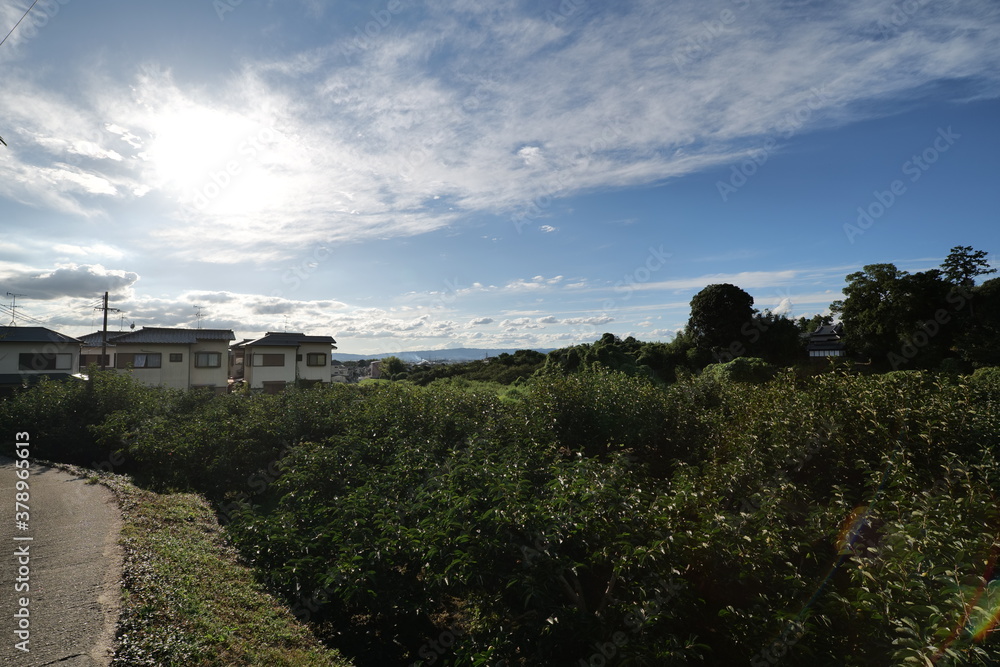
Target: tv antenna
13,307
198,316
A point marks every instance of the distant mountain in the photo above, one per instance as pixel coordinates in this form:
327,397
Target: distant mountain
449,354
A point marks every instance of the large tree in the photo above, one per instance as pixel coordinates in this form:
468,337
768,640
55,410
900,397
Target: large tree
872,309
896,318
719,314
979,341
963,264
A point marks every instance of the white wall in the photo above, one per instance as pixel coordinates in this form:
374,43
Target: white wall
321,373
10,354
256,376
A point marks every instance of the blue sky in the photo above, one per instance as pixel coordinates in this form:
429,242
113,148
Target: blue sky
412,174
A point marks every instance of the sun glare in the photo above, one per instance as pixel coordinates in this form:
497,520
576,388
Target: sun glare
193,144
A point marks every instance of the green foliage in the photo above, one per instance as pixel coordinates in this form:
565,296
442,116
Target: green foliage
657,361
392,367
977,342
503,369
741,369
718,314
963,264
899,320
72,421
723,519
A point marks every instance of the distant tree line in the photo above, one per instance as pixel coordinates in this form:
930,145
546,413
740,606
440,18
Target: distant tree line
892,320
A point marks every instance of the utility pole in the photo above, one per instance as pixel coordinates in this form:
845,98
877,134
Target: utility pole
13,307
104,331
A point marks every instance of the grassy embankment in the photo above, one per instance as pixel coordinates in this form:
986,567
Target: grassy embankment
186,600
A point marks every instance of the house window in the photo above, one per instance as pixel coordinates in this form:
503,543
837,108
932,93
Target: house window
38,361
88,359
207,359
177,356
268,360
315,359
139,360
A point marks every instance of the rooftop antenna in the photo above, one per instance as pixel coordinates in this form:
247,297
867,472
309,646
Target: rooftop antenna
285,325
13,307
199,315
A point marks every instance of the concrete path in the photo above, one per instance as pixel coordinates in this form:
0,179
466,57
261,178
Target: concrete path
73,569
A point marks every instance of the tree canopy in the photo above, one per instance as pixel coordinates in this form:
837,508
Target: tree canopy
718,314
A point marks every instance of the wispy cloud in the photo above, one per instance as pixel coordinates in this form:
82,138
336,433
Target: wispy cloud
316,146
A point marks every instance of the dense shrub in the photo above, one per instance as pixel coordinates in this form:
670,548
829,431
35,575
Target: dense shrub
829,519
741,369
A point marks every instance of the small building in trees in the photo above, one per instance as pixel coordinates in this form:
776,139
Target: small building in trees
826,341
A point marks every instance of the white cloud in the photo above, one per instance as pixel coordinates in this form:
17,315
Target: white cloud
96,250
289,150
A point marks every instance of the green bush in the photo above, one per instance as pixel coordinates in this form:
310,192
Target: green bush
724,519
741,369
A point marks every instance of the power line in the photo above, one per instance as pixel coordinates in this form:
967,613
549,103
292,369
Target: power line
6,310
15,27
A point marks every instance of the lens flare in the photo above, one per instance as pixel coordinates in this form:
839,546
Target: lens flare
850,529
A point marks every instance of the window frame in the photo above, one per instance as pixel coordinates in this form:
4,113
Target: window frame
216,355
311,358
54,361
261,360
150,360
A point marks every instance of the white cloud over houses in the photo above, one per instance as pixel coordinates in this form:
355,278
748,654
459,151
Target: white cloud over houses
237,180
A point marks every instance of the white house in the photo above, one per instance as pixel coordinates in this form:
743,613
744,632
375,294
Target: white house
178,358
27,353
278,359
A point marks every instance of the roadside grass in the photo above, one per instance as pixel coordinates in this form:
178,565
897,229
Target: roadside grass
186,600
